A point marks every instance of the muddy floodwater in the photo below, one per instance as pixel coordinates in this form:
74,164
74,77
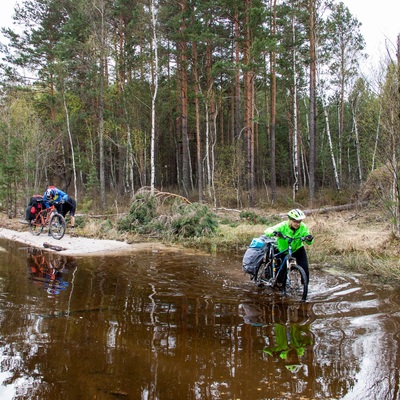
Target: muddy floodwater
181,325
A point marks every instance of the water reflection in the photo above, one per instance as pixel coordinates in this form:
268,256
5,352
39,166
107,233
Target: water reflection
173,325
290,333
47,270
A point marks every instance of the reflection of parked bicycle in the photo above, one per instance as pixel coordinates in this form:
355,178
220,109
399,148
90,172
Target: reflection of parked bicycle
51,218
280,270
47,271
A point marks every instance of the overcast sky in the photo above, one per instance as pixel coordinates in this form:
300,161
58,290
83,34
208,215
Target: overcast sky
380,23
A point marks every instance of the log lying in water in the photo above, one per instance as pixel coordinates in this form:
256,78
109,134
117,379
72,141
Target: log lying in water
53,247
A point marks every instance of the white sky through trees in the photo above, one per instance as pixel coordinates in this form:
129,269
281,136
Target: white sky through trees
380,23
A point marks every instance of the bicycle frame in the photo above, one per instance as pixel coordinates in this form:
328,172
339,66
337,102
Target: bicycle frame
45,215
51,218
277,274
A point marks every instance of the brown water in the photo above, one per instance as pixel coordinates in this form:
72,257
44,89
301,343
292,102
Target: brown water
170,325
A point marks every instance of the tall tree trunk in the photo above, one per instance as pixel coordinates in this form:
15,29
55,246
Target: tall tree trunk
184,105
197,111
71,143
313,141
396,178
358,150
295,127
273,106
101,109
211,118
248,108
328,133
154,97
238,124
376,139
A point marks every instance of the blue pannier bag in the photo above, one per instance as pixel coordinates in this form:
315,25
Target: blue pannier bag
254,255
257,243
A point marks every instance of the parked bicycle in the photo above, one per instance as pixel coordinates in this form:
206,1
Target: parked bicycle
279,270
48,217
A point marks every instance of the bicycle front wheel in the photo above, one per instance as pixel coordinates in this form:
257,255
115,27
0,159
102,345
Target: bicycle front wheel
57,226
265,271
297,283
36,226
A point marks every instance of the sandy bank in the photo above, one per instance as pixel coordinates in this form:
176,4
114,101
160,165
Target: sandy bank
73,246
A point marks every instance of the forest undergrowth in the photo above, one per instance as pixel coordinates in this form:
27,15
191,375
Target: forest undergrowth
357,238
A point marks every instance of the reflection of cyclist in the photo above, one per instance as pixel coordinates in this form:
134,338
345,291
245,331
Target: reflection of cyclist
62,201
48,273
294,228
298,338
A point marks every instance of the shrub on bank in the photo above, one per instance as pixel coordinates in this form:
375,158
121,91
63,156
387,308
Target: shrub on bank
149,215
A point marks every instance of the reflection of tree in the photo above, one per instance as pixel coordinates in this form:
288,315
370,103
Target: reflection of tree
139,327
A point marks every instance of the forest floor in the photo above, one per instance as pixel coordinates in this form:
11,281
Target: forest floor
357,239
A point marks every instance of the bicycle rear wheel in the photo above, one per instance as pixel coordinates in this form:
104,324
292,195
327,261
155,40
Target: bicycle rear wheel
57,226
36,226
296,283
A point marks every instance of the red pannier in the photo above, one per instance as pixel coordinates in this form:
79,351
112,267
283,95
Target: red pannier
34,206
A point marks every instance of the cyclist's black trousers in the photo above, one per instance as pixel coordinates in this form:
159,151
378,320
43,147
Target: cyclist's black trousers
302,260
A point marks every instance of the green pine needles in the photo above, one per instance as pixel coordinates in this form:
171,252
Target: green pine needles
153,216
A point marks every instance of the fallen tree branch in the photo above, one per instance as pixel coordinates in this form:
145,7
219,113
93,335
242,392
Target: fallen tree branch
53,247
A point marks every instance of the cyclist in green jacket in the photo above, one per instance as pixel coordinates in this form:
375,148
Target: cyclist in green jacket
293,227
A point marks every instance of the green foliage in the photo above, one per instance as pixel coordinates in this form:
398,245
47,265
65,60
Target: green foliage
141,215
62,42
143,209
193,220
252,218
148,215
85,205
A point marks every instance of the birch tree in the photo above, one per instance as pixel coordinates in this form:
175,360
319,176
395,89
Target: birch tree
345,44
390,128
154,96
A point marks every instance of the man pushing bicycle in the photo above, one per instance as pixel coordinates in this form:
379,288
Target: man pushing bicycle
62,202
294,227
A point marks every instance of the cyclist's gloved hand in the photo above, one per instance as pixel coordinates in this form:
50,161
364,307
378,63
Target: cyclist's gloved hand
278,234
309,238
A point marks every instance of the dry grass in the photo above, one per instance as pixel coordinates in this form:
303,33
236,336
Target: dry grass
360,240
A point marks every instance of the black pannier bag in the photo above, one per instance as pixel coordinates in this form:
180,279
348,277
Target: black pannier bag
34,206
255,253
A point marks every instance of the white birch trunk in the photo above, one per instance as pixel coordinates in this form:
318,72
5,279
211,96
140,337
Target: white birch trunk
72,147
328,133
154,97
376,140
358,150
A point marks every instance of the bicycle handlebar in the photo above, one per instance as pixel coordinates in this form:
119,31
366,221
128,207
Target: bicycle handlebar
290,239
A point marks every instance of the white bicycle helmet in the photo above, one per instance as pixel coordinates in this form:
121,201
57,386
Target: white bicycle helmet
296,214
50,193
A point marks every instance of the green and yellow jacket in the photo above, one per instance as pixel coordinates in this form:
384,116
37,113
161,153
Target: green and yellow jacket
286,230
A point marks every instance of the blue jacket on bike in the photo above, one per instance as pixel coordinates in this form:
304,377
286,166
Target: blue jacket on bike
54,195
